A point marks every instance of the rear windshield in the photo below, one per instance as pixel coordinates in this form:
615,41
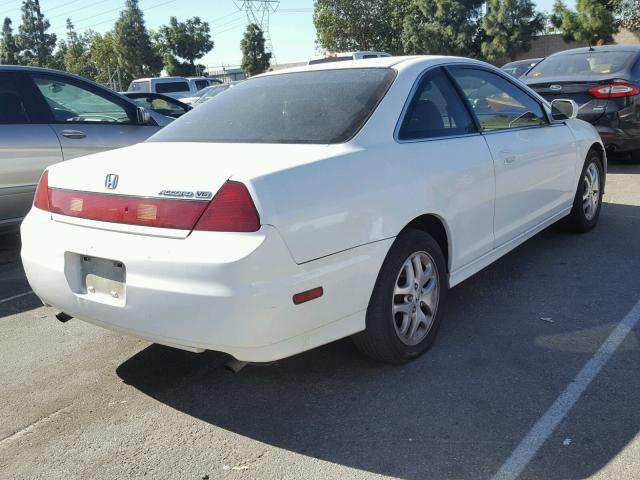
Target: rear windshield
324,106
139,86
168,87
594,63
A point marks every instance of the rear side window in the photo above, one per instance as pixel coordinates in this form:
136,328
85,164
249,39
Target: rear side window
139,87
322,106
12,109
587,63
436,110
170,87
497,103
200,84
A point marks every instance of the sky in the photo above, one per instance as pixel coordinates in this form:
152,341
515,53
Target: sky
291,25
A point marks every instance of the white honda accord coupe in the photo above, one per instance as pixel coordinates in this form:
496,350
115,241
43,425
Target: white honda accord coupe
308,205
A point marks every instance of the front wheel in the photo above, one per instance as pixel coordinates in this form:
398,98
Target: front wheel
404,311
588,200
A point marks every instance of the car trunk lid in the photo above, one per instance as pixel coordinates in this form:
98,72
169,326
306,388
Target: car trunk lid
590,108
156,188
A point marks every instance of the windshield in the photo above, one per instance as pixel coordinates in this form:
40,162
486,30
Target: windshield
586,63
202,92
212,92
323,106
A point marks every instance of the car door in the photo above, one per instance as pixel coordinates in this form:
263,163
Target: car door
534,159
88,119
440,144
27,147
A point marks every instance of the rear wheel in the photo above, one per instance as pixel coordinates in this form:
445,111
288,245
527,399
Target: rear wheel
405,307
588,200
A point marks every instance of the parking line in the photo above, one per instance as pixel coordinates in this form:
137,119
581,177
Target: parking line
5,300
544,427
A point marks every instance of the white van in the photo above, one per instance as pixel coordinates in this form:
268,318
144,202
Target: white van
338,57
176,87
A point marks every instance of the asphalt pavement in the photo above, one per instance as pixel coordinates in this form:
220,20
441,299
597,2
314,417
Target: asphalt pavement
80,402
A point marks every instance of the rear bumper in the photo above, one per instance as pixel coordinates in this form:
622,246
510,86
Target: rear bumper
617,140
230,292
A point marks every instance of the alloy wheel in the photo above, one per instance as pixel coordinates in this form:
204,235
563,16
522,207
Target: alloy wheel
415,298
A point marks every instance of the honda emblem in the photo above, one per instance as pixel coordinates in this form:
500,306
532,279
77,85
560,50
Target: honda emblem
111,182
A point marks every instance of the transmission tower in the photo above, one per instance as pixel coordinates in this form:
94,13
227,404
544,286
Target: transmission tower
258,12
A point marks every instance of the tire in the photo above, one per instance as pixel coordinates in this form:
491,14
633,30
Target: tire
584,214
393,308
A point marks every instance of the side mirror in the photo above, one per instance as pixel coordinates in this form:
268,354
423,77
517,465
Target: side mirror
143,116
564,109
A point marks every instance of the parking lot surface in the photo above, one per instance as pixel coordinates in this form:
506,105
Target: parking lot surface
77,401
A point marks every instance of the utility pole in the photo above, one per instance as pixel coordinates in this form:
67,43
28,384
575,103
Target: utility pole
258,12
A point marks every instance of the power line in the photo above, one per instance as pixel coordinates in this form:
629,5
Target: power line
258,12
63,5
112,19
66,14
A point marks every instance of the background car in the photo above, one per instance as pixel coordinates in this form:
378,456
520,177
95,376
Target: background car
520,67
212,92
47,116
343,56
175,87
304,206
604,82
162,104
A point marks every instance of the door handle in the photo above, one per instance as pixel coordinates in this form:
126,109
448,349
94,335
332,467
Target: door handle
73,134
508,157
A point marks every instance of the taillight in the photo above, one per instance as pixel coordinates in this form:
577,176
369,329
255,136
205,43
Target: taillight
231,210
614,90
150,212
41,199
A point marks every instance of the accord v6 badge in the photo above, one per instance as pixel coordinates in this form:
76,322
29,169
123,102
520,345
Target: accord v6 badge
198,195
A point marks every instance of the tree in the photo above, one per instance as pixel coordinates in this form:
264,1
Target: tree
76,52
189,40
630,14
509,26
346,25
443,27
8,49
254,58
136,55
35,44
104,56
593,21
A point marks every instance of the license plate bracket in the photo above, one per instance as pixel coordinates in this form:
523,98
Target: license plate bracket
99,279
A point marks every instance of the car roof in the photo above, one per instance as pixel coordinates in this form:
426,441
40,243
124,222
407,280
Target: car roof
162,79
397,62
603,48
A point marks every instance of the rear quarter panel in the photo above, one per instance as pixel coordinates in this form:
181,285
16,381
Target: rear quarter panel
369,189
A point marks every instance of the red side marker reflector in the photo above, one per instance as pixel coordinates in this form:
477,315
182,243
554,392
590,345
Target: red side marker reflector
312,294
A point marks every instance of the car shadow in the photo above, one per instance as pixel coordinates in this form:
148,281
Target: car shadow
12,278
515,334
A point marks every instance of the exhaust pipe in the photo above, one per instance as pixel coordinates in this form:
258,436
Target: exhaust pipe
63,317
234,366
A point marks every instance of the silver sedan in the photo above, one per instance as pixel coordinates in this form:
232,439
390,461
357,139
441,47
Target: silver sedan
47,116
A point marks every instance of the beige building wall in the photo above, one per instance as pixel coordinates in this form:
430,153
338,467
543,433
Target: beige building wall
545,45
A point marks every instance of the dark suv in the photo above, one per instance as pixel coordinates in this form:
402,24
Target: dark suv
604,82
